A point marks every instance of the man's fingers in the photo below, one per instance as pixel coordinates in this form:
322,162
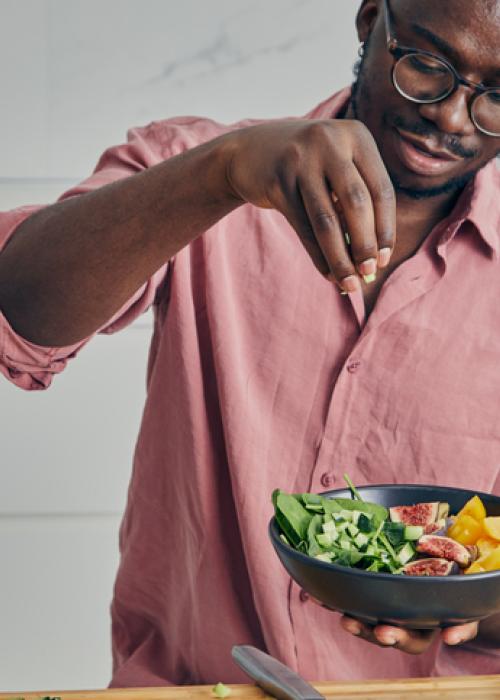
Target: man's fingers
374,173
356,203
460,633
313,216
409,641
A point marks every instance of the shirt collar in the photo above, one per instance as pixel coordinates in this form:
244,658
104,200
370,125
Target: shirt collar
481,200
479,203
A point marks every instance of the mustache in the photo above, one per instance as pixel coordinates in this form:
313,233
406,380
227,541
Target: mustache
448,142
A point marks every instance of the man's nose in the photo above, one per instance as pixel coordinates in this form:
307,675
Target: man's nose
451,115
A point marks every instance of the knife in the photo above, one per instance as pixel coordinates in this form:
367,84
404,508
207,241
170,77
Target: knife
272,676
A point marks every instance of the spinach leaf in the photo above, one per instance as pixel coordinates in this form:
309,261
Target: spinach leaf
345,557
395,532
365,524
311,501
379,513
292,517
315,527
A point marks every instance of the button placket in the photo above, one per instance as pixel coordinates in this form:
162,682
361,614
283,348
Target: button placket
324,476
327,480
303,596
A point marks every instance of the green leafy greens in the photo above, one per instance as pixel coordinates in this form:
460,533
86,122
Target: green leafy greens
350,532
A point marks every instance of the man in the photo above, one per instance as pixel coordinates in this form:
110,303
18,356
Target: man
262,374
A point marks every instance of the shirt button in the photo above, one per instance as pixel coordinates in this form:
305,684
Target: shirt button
353,367
303,595
327,480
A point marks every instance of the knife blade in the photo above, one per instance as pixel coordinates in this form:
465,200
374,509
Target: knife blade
272,676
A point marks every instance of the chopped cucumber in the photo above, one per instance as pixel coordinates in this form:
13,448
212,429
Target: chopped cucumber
361,540
221,691
347,514
326,539
413,532
405,553
329,527
325,556
352,529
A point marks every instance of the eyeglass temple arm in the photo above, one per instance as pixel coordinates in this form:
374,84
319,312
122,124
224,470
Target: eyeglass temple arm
391,41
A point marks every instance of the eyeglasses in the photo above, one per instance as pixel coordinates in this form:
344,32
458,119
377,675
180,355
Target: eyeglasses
425,78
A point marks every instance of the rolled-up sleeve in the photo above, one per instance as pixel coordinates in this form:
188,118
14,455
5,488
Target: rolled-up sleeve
32,366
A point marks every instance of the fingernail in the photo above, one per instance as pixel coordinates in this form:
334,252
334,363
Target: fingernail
370,278
389,639
353,627
384,256
350,284
368,267
455,639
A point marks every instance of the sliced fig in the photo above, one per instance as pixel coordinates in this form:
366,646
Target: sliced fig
443,511
444,548
473,551
440,527
437,528
418,514
431,567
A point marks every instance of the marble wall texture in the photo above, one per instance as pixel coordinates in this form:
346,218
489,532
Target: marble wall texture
75,76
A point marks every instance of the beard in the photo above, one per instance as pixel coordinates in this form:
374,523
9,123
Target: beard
361,96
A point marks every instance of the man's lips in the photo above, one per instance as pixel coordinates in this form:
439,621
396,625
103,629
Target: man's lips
423,157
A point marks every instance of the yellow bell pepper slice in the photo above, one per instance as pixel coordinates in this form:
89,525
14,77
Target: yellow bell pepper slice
466,529
475,508
492,527
488,562
486,545
475,568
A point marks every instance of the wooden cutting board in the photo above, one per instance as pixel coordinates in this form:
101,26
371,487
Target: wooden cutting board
456,688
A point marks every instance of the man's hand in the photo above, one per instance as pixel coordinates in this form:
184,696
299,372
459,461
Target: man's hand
410,641
327,178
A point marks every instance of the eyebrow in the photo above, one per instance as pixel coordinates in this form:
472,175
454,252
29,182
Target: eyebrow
440,43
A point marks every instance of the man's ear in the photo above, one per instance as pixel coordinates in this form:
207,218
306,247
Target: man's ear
366,18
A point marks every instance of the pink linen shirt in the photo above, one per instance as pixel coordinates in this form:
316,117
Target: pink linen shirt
261,375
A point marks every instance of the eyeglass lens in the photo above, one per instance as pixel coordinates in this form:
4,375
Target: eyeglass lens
425,79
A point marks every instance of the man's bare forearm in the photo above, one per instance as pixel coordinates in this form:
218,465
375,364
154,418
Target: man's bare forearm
71,266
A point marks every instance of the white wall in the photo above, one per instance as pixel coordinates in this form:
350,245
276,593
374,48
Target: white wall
75,75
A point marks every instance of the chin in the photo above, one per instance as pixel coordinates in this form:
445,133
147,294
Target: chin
429,187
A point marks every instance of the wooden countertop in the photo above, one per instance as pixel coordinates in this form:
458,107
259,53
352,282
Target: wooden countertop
456,688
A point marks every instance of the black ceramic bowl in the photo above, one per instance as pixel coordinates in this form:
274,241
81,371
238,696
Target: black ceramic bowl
407,601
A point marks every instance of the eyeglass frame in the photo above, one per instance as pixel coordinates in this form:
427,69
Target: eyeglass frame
398,52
